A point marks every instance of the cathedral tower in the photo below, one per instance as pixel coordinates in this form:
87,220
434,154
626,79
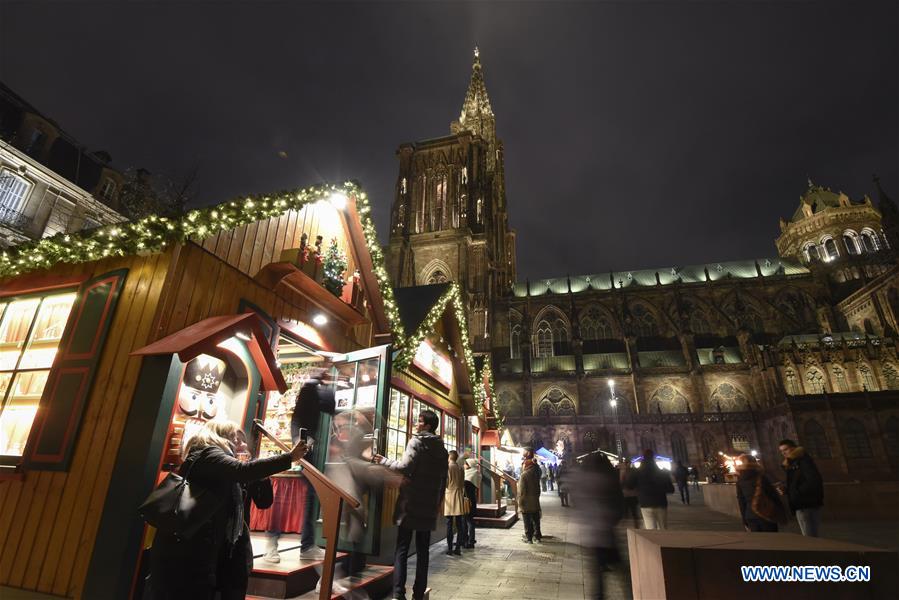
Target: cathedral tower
449,220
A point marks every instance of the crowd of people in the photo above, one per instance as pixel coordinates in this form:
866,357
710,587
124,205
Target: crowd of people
217,561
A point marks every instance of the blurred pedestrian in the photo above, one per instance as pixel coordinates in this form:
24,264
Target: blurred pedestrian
694,476
652,485
472,485
599,506
551,477
804,488
543,476
563,483
680,476
454,505
631,506
529,500
760,504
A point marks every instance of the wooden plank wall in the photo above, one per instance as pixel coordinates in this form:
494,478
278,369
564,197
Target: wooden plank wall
49,521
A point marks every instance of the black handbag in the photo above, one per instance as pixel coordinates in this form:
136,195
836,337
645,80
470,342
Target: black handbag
179,508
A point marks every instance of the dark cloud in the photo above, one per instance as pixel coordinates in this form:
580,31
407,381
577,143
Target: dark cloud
638,134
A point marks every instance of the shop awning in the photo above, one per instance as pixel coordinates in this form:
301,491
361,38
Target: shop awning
204,337
490,438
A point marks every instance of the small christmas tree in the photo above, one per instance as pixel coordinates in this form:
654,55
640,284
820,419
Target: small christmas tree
334,267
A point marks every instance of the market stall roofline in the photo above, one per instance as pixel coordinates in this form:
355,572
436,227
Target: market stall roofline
204,337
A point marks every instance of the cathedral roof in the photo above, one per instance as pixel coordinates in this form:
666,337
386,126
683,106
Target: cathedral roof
743,269
816,199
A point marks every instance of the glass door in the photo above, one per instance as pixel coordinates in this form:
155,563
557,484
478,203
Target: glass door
359,423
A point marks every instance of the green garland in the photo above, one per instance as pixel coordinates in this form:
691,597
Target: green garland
153,234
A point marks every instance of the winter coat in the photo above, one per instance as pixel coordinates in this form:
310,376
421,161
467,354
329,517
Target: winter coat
472,472
454,497
652,485
219,556
680,475
424,465
746,482
599,502
805,488
562,480
529,490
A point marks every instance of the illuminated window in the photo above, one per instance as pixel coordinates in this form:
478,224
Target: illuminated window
30,331
397,424
870,241
839,378
815,381
867,378
793,388
451,432
890,376
418,406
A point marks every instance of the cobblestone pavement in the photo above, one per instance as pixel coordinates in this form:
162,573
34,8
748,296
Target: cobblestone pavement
503,567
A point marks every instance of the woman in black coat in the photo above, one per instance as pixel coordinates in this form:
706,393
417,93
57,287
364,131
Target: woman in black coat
750,477
215,558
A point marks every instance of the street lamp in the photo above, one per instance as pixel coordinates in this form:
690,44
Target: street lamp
613,402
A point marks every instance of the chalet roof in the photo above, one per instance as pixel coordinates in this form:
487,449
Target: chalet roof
414,303
741,269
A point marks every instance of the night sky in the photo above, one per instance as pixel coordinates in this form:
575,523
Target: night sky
637,134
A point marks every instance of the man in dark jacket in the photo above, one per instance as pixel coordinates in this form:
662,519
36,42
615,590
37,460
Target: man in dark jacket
680,476
424,465
652,485
804,489
529,499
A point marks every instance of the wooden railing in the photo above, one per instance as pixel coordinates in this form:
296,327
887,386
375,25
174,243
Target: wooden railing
499,475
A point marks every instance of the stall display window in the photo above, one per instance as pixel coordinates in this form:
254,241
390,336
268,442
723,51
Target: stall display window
397,424
279,410
30,332
418,406
451,432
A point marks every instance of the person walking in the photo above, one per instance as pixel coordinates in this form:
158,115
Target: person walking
218,558
652,485
543,476
630,496
804,488
454,505
680,476
424,465
760,504
472,485
529,500
562,483
694,476
598,507
551,477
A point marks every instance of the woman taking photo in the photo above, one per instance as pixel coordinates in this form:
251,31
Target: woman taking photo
215,558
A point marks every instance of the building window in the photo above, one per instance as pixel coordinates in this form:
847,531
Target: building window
709,447
108,191
867,378
815,440
855,439
839,379
815,381
13,192
418,406
830,249
30,331
450,432
397,424
811,252
437,276
870,241
551,337
515,341
644,322
850,240
678,447
793,388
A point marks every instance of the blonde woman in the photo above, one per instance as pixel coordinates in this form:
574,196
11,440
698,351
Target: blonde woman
219,557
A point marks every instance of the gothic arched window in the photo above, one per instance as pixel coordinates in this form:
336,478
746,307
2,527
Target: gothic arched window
830,249
855,439
815,381
839,380
551,336
729,398
543,338
870,241
850,240
867,378
890,376
815,440
515,336
709,446
437,276
811,252
666,399
644,322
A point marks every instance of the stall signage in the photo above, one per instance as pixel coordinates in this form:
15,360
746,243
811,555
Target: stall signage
433,362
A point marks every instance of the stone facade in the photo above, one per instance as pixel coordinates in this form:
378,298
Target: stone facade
698,359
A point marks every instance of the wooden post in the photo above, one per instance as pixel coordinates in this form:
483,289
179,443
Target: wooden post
331,499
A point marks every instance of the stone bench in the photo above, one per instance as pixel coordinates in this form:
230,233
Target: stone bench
692,565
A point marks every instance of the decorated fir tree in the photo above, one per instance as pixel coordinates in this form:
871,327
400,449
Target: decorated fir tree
334,267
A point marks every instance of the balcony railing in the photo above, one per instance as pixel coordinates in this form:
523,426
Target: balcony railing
13,218
553,363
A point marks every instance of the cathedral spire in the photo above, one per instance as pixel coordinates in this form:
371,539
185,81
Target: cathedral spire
477,114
